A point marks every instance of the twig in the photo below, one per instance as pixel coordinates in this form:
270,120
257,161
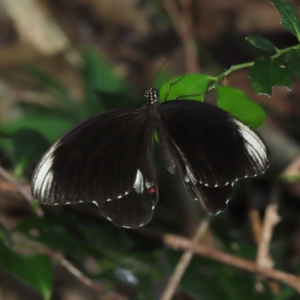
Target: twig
177,242
270,221
253,213
54,255
292,172
73,270
255,224
21,190
182,22
183,263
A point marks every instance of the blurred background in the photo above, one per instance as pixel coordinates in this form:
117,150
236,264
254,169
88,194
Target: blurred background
54,55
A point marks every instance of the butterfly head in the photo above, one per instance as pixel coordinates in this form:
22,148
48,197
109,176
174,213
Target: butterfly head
151,95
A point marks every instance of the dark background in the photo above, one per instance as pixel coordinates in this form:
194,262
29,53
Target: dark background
55,53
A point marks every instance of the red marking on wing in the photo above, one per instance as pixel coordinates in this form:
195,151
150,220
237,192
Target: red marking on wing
152,190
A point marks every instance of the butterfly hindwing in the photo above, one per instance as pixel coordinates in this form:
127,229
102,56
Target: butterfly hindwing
107,160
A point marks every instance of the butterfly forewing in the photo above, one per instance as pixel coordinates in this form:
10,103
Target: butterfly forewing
102,160
212,149
217,148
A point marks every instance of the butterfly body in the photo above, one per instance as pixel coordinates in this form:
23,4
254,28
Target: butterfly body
107,159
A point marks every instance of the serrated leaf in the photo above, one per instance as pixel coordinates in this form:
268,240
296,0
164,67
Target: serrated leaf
240,106
36,271
193,86
293,62
28,145
261,43
268,72
289,17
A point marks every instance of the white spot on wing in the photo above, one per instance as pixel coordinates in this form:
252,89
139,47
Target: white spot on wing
190,176
139,182
148,184
43,177
94,202
254,145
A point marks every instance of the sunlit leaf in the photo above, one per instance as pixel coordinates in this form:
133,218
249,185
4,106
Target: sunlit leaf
239,105
189,86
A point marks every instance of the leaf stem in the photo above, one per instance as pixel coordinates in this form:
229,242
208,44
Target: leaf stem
247,65
230,70
285,50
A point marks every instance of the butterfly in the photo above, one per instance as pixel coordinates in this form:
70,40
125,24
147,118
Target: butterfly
108,159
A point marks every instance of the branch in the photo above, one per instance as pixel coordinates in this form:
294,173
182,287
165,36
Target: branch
54,255
183,263
22,191
180,243
292,171
270,221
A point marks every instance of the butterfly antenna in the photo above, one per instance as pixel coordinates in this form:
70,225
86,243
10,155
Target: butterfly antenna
168,57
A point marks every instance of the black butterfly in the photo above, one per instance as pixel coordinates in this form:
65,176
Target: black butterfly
107,159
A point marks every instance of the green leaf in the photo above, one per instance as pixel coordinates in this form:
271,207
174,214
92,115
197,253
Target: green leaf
36,271
285,294
41,268
261,43
52,126
50,232
289,17
29,145
193,86
5,235
54,85
240,106
293,62
98,74
266,73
